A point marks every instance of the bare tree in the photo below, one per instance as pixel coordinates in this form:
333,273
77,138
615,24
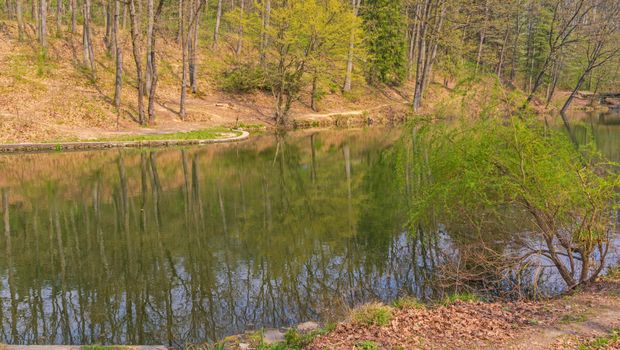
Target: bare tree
567,16
135,43
87,43
43,24
348,76
152,60
218,20
20,20
118,54
601,43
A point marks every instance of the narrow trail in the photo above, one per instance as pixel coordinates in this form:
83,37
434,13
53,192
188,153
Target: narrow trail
588,315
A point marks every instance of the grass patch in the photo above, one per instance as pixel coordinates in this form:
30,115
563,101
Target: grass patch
296,340
205,134
104,347
460,297
367,345
573,318
372,314
605,342
407,303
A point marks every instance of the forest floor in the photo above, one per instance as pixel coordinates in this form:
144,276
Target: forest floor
586,319
54,98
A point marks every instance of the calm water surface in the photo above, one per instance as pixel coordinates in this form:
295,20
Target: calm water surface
177,246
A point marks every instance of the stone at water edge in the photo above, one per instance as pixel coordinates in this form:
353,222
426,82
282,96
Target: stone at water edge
307,327
273,336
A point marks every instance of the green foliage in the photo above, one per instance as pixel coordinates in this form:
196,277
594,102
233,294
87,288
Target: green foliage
384,25
407,303
496,176
296,340
462,297
367,345
375,314
243,78
204,134
304,37
605,342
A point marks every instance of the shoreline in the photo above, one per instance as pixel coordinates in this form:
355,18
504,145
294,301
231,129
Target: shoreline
12,148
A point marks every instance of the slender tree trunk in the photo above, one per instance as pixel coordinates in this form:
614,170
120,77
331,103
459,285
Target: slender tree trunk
153,60
349,73
43,28
482,35
89,57
419,78
118,81
218,19
125,7
500,64
59,18
515,45
434,43
570,98
107,39
150,10
266,14
314,92
73,4
20,20
240,30
135,42
180,22
193,56
413,42
182,111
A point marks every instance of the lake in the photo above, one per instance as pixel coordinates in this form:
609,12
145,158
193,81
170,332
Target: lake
186,245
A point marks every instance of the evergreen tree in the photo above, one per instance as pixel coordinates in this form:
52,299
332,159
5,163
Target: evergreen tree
385,26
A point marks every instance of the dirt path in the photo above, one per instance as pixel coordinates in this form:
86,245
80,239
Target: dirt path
588,315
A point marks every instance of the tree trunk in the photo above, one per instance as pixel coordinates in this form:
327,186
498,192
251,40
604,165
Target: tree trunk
182,111
180,22
43,27
59,18
193,57
135,43
20,20
89,57
149,42
73,4
482,35
500,64
266,13
107,38
240,30
218,19
35,16
413,42
349,73
419,77
570,98
314,92
153,60
118,81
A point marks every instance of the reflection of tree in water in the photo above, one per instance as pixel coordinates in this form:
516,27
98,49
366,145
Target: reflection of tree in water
177,246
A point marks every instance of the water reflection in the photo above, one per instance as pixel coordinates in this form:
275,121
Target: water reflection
179,246
186,245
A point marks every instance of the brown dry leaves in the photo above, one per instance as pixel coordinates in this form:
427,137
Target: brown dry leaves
460,325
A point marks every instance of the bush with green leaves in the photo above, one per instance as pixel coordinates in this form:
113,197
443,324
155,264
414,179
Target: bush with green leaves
514,177
375,314
243,78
